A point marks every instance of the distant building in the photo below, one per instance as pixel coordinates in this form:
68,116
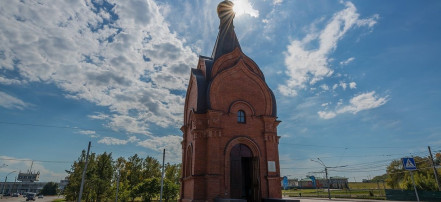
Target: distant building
27,182
63,184
339,182
336,183
306,183
321,182
293,183
22,187
29,176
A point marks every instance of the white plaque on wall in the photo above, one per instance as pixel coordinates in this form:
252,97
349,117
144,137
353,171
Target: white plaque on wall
271,166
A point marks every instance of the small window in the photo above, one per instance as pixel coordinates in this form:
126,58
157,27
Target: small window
240,116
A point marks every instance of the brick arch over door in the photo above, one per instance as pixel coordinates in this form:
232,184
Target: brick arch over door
233,142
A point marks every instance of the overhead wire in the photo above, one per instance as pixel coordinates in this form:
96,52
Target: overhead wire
42,161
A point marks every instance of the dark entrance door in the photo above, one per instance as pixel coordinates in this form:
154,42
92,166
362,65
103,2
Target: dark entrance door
243,174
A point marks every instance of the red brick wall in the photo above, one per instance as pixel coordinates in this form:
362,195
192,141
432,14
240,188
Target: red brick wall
236,86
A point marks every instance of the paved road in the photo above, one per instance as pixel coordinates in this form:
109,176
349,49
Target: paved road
303,199
22,199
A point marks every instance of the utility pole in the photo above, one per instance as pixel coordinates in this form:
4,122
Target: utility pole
434,169
329,182
15,181
326,172
162,176
117,186
84,174
3,190
4,184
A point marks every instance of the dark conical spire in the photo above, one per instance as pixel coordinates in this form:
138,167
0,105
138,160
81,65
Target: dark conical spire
226,40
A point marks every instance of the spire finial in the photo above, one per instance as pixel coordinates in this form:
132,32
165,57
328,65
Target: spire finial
226,40
225,12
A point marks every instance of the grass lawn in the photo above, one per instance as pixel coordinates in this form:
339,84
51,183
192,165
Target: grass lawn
356,190
367,185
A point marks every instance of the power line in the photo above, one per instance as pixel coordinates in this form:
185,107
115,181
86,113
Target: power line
345,147
358,156
42,161
55,126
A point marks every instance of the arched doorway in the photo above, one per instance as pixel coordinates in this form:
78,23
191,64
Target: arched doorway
244,170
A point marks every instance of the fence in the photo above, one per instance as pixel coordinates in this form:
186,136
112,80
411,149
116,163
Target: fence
409,195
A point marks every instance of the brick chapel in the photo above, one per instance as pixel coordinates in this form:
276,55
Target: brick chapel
230,142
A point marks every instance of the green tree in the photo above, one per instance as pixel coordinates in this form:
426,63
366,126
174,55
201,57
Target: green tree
121,170
437,159
134,175
74,176
379,178
89,192
173,172
170,190
395,174
400,178
49,189
72,189
151,168
102,178
148,188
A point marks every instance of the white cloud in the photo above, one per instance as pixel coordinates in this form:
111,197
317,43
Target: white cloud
9,81
306,66
89,133
242,7
124,58
112,141
352,85
116,141
346,62
343,85
10,102
326,115
171,143
324,87
287,91
276,2
358,103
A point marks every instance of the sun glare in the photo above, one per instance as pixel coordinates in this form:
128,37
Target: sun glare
238,8
244,7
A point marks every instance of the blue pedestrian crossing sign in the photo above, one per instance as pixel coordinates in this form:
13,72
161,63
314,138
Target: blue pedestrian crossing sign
409,163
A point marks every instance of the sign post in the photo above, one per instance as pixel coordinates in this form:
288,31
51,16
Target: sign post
409,164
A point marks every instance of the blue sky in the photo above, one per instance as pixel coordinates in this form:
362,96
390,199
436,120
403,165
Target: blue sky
357,83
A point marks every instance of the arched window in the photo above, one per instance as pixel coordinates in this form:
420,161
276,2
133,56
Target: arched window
241,116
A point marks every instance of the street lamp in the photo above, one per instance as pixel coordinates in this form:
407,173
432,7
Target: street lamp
326,172
6,178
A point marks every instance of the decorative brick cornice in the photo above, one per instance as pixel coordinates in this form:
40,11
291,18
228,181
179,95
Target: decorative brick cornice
214,118
271,137
198,134
214,132
208,133
270,124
